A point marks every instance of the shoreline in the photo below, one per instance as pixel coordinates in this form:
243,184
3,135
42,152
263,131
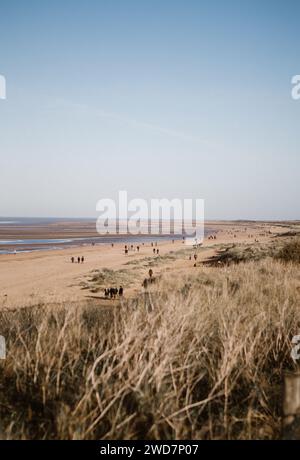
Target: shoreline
49,276
20,246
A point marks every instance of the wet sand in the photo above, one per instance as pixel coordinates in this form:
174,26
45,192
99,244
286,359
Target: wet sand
50,277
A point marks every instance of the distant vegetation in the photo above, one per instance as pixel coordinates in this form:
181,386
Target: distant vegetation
287,250
290,252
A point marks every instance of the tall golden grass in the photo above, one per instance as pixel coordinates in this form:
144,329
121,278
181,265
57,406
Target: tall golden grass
198,356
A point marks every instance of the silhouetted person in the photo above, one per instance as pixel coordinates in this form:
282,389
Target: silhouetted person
78,260
157,251
145,283
82,259
72,260
138,249
150,272
153,250
121,291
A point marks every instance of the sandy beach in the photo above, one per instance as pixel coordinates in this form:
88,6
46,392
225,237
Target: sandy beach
49,276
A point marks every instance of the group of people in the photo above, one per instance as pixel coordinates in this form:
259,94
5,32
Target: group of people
195,256
131,248
212,237
112,292
79,260
128,248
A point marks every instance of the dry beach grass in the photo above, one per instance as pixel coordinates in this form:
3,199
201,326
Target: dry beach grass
199,356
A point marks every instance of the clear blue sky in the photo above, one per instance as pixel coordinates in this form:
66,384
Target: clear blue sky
163,99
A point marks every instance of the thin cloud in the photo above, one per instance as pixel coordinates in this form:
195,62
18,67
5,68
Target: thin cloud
133,122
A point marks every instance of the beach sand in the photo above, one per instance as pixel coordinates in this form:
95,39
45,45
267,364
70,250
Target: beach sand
49,276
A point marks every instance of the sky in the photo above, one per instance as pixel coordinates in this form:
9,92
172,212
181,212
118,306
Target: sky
163,99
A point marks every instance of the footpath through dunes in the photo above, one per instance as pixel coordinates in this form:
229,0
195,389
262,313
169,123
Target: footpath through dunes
50,277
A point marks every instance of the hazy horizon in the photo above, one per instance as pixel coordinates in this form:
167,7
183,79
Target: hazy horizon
144,219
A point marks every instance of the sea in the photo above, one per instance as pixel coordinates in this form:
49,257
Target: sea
20,245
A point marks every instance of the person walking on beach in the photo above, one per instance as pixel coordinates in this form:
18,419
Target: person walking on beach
121,291
150,273
82,259
72,260
153,250
78,260
145,283
138,249
157,251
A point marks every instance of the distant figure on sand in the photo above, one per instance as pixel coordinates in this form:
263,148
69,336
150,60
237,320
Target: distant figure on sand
138,249
78,260
157,251
150,273
82,259
72,260
121,291
153,250
111,292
